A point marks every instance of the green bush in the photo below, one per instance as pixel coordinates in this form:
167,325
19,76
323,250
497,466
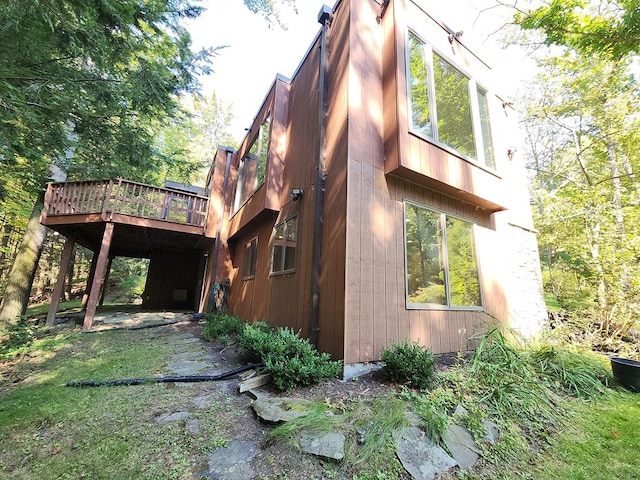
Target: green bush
408,363
291,360
220,326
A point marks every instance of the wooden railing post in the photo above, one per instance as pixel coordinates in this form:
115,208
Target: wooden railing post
47,202
106,201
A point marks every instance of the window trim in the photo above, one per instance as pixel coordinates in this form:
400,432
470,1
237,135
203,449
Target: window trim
284,223
434,306
253,260
473,86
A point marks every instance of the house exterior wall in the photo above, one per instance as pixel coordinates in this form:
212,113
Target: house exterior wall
388,165
173,280
374,165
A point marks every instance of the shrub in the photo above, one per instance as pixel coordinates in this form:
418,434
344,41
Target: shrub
291,360
220,326
408,363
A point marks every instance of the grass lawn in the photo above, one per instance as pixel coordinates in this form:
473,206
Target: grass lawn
602,442
48,430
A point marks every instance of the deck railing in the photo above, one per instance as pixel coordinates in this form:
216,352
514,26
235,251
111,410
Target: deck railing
126,198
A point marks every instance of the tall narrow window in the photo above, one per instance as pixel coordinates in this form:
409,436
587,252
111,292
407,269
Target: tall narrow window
253,166
441,262
285,239
419,87
446,105
250,259
485,126
260,149
453,107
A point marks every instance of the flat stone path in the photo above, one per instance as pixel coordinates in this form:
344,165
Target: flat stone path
238,459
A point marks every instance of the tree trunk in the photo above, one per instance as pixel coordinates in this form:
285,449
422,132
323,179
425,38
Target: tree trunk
16,295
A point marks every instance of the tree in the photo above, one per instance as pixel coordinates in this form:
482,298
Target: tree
189,142
84,86
269,9
87,86
591,27
583,130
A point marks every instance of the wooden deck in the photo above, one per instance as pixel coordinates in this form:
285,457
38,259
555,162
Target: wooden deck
122,218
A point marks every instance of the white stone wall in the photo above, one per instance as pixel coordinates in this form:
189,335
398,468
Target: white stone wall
526,308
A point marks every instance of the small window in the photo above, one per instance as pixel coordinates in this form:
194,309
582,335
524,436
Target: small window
441,264
250,259
283,254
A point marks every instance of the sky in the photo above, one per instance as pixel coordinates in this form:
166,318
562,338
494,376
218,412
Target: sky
256,52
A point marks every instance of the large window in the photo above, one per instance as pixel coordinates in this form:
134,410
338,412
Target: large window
250,259
442,270
285,238
446,105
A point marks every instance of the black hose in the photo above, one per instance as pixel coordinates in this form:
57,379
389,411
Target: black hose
174,379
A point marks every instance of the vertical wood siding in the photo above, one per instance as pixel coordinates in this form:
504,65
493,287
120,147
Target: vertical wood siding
362,296
376,313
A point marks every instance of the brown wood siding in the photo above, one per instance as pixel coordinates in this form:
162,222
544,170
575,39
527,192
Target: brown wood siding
282,300
332,277
376,313
271,194
373,166
300,172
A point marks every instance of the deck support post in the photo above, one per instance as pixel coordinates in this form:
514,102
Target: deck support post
87,288
62,273
98,277
106,281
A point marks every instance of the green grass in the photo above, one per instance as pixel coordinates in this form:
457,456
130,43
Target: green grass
557,418
601,442
43,308
552,302
49,430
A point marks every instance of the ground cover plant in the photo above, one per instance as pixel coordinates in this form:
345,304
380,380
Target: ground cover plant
408,362
529,390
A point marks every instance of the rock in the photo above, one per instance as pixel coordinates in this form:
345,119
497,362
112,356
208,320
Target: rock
254,382
460,411
327,445
203,402
413,419
281,409
492,432
419,455
460,443
173,417
187,367
193,426
233,461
